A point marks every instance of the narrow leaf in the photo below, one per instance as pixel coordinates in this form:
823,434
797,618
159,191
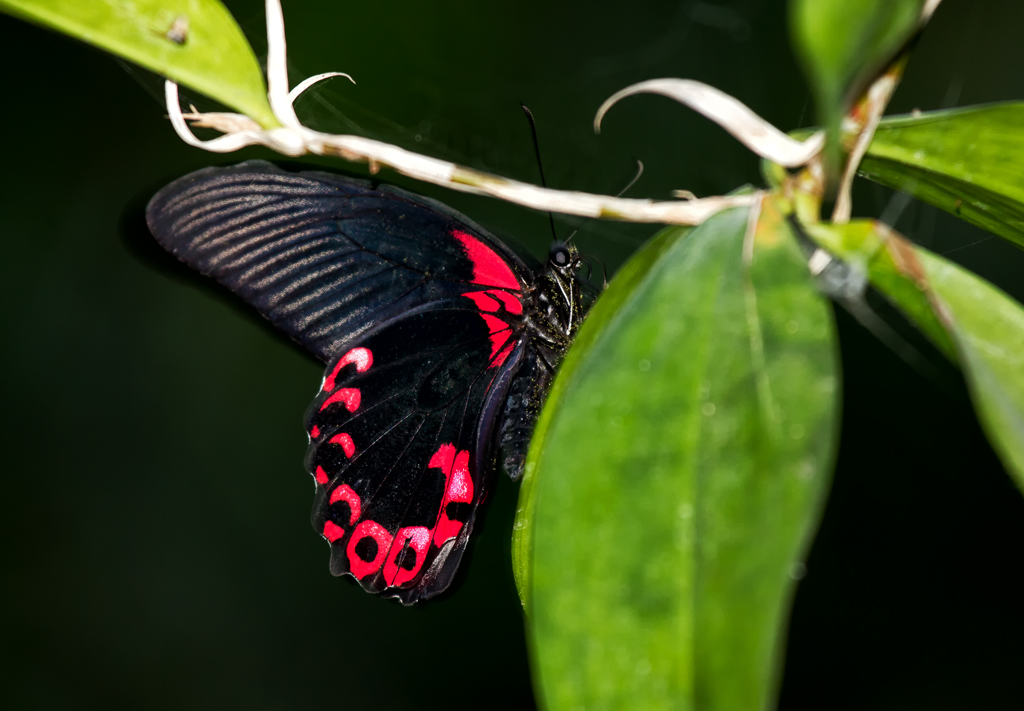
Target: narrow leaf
965,161
978,325
989,326
681,476
844,44
618,292
193,42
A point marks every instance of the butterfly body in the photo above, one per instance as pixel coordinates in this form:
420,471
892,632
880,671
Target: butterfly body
440,344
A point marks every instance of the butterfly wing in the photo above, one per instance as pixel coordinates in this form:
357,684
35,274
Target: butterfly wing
419,315
322,256
400,445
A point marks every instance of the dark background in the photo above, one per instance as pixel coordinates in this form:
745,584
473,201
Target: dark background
154,535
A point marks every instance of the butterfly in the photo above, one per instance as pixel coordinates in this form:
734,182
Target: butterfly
439,341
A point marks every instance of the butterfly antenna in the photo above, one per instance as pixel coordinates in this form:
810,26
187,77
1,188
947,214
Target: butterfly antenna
590,268
540,164
586,259
585,283
631,183
604,274
604,271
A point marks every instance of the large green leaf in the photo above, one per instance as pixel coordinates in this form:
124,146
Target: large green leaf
618,291
681,476
977,324
843,44
212,56
969,162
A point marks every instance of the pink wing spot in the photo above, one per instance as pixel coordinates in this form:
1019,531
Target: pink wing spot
333,531
321,476
362,357
315,432
346,443
512,304
482,300
488,267
350,497
374,532
460,485
458,488
443,458
412,540
350,396
446,529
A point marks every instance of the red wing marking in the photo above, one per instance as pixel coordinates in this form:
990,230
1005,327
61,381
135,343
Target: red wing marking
494,299
443,457
500,333
412,541
458,488
512,304
488,267
333,531
346,443
495,324
501,357
362,357
345,493
368,531
483,301
321,476
350,396
315,432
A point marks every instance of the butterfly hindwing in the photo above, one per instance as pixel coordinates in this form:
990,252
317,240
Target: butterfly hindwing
399,445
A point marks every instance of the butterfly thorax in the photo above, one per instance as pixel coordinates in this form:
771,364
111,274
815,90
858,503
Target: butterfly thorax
553,316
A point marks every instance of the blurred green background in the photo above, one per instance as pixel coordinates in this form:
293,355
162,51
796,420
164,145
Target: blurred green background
154,517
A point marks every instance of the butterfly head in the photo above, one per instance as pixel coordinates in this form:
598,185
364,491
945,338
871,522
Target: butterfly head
564,259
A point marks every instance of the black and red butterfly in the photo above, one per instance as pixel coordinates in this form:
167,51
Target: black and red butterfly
440,343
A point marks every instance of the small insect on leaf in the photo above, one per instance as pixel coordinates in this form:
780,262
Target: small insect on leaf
178,32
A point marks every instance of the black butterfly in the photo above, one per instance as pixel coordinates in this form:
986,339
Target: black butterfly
440,343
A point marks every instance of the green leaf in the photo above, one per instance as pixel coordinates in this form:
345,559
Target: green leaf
621,287
681,477
844,44
989,326
214,58
982,325
965,161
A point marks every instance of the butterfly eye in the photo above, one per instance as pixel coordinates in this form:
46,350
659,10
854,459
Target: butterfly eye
559,256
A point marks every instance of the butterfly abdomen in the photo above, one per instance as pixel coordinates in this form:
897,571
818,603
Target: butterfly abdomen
522,408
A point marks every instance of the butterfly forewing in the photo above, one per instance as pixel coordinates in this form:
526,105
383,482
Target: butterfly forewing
322,256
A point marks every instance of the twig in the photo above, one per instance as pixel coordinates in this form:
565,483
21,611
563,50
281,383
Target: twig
294,139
